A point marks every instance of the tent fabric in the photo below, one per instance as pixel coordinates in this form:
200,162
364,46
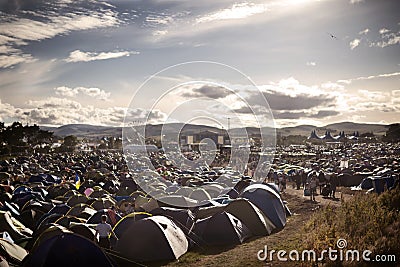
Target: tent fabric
14,253
53,230
184,218
126,222
251,216
221,229
103,203
60,209
200,194
96,218
45,220
31,217
176,201
205,212
76,199
268,201
155,238
83,230
67,249
14,227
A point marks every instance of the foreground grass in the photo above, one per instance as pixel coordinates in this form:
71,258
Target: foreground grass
366,222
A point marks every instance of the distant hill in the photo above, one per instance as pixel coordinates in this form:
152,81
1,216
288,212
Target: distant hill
92,131
335,128
85,130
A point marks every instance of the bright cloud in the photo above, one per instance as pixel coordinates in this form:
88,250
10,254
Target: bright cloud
383,31
14,59
356,1
388,39
36,26
237,11
354,43
61,111
80,56
73,92
364,31
384,75
311,63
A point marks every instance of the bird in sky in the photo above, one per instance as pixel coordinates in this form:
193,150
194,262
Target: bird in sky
332,36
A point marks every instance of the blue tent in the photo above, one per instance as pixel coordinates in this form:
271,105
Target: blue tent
268,201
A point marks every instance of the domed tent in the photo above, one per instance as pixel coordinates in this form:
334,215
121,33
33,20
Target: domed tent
83,230
176,201
51,231
251,216
96,218
184,218
14,227
60,209
45,220
268,201
126,222
103,203
200,194
221,229
67,249
76,199
155,238
12,252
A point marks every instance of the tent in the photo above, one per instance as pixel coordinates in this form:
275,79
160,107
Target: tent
11,225
51,231
221,229
12,252
60,209
103,203
200,194
184,218
155,238
251,216
45,220
96,218
126,222
67,249
177,201
268,201
76,199
83,230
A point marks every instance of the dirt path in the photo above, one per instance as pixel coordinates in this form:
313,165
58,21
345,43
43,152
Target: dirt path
320,200
288,239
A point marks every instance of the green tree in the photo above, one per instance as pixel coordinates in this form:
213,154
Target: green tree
17,137
393,133
69,144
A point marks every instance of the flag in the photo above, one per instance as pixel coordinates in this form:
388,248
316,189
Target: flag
77,181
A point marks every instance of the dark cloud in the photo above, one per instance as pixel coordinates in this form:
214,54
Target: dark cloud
210,91
244,110
293,115
279,101
324,113
289,115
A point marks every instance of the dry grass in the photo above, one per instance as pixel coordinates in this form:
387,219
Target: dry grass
367,222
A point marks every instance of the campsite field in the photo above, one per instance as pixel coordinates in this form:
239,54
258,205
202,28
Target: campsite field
291,237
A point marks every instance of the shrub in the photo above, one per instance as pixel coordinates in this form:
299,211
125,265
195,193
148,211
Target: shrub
366,222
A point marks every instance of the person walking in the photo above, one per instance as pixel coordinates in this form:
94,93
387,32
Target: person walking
104,230
313,186
334,184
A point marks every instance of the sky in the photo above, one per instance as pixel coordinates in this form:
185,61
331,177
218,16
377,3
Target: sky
294,62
